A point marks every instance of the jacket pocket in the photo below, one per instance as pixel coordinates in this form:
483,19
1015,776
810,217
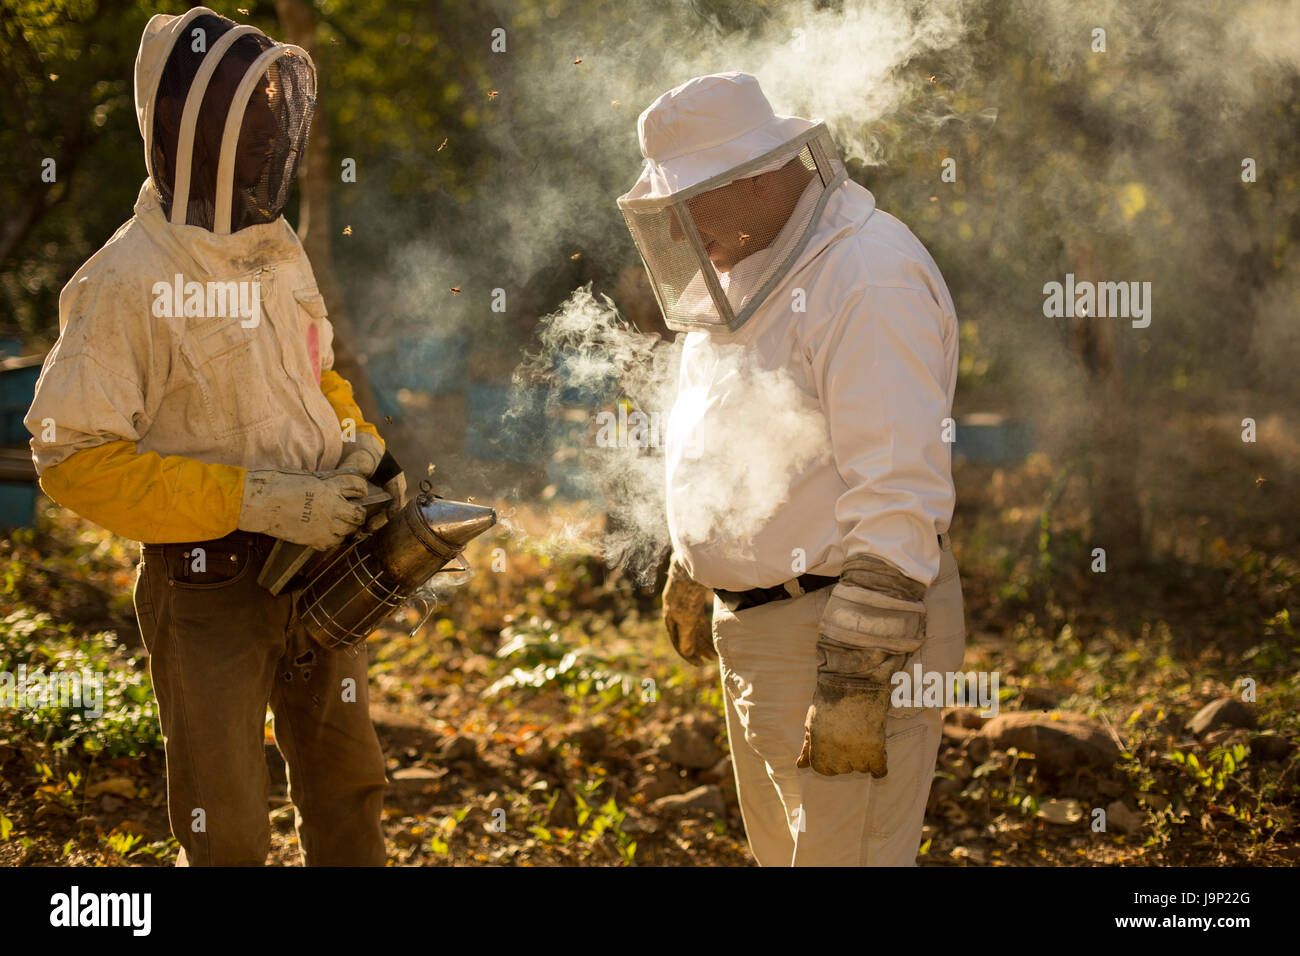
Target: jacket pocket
312,303
316,334
230,368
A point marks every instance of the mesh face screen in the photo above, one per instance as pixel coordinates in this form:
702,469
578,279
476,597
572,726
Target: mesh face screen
673,263
273,131
275,126
717,253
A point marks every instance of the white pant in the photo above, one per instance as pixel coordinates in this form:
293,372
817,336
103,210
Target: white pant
798,817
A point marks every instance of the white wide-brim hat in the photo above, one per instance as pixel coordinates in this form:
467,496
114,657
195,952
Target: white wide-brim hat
705,127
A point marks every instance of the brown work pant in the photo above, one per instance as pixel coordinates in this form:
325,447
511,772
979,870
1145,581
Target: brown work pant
221,648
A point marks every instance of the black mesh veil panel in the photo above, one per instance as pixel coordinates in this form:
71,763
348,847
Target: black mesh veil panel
272,134
284,98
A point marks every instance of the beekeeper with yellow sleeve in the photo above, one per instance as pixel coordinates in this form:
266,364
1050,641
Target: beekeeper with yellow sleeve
190,404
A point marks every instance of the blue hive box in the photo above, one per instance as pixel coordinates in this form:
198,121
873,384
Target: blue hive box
993,439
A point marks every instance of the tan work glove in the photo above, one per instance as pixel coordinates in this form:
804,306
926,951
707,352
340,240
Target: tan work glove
688,615
362,458
873,620
362,455
301,507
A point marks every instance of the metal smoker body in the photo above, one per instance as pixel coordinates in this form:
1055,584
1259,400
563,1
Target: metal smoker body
370,576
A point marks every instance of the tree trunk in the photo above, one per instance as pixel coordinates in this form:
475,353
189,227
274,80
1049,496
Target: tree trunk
314,178
1114,441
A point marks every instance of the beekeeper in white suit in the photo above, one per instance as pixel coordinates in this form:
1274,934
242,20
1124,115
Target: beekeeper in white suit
783,271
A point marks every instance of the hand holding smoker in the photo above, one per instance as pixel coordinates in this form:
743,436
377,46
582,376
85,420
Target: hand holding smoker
348,591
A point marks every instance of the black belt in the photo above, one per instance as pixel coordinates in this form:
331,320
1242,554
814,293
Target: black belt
741,600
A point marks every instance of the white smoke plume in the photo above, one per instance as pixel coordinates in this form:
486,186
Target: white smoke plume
761,432
738,474
590,357
1131,156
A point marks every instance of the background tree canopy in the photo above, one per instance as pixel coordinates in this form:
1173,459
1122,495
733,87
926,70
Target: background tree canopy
490,160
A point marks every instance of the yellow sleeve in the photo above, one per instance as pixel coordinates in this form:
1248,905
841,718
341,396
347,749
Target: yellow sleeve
338,392
148,497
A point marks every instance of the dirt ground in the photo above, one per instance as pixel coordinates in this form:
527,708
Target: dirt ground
539,716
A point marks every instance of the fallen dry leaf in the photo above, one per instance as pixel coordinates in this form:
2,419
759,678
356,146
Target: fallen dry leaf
118,786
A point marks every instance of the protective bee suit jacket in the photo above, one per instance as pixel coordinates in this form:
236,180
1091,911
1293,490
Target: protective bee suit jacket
150,408
872,358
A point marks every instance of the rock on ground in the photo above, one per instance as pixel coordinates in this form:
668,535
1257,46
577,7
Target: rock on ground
704,799
1224,712
1060,741
691,745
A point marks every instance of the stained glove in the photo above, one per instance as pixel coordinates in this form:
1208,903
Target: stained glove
873,620
301,507
362,456
688,615
363,459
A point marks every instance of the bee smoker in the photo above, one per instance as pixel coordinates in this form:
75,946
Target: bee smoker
352,589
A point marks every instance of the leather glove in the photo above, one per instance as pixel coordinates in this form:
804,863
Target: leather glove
397,488
362,459
363,456
688,615
873,620
301,507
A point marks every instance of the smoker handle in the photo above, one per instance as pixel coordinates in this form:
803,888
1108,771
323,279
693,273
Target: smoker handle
388,469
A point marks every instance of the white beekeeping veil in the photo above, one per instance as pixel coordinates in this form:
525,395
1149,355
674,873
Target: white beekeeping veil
225,112
729,195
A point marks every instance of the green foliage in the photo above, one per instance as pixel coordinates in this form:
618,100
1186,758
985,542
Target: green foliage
128,725
541,655
1222,762
607,818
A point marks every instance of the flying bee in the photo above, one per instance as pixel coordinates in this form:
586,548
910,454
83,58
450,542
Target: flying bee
440,145
493,94
455,290
347,230
577,60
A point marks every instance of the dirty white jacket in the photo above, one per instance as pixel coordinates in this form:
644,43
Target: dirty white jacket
807,436
203,387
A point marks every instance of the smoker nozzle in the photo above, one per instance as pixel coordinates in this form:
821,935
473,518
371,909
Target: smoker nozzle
457,522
